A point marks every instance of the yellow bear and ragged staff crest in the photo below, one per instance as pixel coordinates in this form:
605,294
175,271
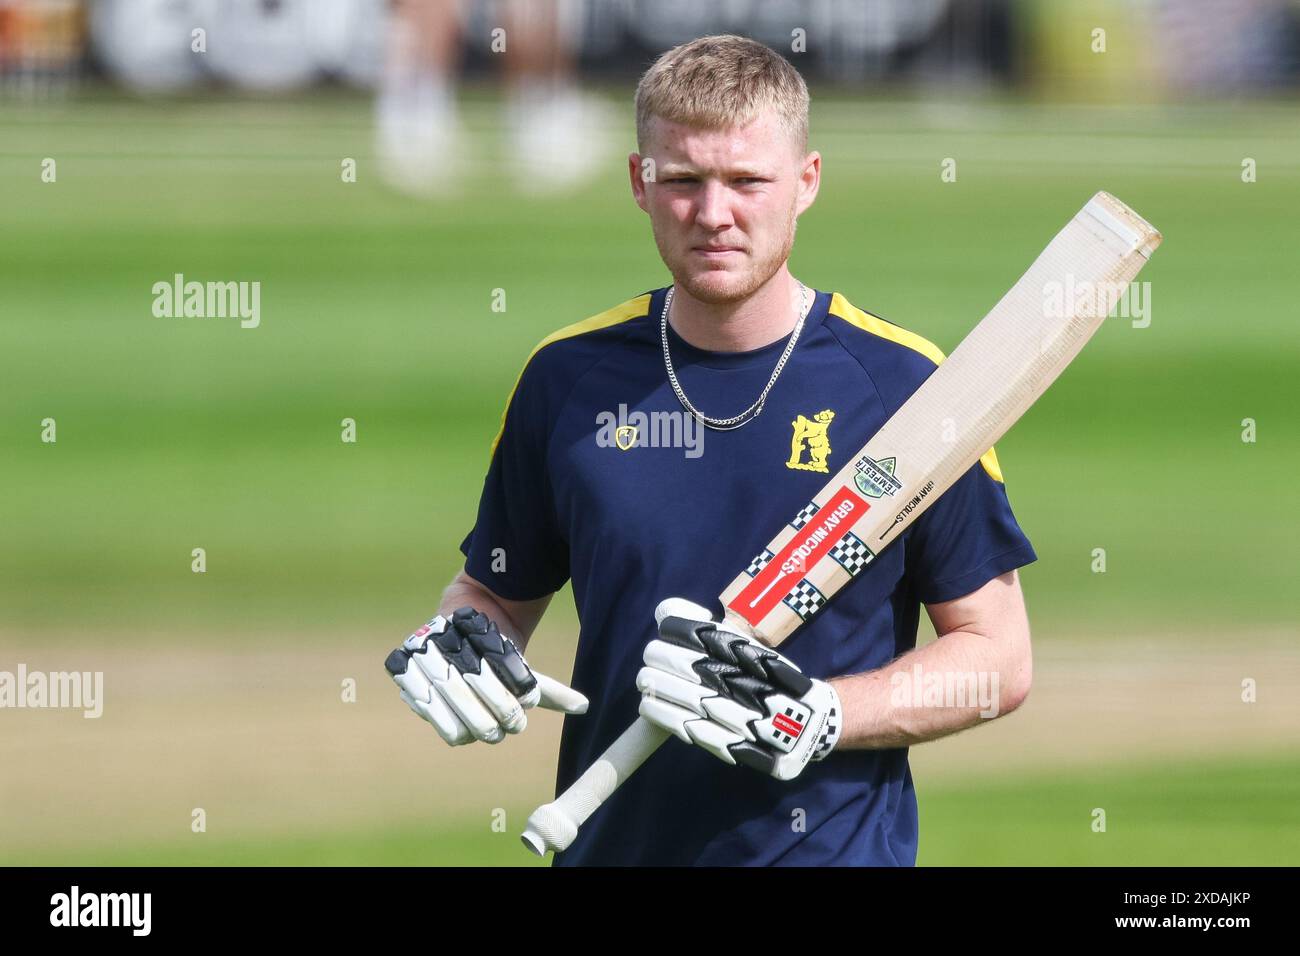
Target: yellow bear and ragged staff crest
811,434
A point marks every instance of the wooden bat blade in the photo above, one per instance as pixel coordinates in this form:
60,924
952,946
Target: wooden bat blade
957,414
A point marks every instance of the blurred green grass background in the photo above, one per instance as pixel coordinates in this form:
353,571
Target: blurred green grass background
182,433
1220,813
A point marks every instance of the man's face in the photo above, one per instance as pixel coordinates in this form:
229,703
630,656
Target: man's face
723,203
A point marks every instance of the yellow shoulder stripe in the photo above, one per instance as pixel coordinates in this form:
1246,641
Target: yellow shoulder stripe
851,314
990,462
631,309
842,308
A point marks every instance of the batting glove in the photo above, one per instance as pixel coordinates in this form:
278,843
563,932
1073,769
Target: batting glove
441,675
713,686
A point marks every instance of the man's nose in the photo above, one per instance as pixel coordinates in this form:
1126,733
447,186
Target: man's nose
713,210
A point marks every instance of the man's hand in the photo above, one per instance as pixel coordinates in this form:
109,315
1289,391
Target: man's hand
711,685
440,671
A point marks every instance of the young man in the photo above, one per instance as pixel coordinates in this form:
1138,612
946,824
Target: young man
579,487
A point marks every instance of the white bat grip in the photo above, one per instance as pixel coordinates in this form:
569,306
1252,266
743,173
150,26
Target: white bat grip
554,826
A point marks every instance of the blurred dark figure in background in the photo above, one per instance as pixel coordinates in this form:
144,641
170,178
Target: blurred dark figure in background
555,132
1222,46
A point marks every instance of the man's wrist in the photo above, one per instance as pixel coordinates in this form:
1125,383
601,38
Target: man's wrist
833,727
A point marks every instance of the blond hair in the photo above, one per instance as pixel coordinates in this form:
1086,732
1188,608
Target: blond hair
721,82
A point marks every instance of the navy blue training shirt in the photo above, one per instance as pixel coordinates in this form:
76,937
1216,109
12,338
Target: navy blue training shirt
567,495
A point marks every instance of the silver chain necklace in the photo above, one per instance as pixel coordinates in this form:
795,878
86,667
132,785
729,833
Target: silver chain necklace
735,421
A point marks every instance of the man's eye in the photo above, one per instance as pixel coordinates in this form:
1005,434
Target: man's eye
680,179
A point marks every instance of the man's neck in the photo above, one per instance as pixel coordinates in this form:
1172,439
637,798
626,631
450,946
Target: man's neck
766,316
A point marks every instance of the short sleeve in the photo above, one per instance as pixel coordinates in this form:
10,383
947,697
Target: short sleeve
515,547
966,539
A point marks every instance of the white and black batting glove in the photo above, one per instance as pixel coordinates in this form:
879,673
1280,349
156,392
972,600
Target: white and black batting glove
713,686
469,680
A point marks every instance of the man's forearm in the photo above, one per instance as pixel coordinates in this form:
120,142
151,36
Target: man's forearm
949,685
461,593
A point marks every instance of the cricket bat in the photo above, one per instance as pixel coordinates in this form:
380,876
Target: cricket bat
952,419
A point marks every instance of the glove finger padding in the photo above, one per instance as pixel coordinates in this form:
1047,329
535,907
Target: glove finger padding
696,698
556,696
686,725
707,682
450,727
473,640
450,687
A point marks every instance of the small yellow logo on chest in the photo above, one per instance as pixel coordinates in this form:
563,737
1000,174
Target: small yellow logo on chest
810,435
625,437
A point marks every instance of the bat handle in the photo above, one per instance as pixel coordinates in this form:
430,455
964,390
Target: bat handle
554,826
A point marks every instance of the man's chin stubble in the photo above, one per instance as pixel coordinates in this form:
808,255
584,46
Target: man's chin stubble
727,293
698,286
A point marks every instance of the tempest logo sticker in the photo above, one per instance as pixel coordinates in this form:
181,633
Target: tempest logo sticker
876,478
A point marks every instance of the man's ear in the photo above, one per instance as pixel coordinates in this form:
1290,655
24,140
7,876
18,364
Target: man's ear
635,171
810,180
